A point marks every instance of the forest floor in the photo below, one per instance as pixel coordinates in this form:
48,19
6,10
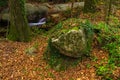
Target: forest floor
15,64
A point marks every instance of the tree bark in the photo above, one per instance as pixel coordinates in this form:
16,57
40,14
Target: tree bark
90,6
108,10
18,29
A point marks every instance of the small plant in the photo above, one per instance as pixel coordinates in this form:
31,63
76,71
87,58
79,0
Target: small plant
114,21
51,75
93,58
36,31
106,71
88,65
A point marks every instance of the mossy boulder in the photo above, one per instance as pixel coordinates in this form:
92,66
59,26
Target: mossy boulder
72,38
71,43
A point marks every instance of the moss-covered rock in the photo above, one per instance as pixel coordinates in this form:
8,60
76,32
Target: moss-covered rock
71,43
72,38
58,61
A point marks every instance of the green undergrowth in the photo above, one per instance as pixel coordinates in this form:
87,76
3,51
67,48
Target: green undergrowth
36,31
106,71
108,37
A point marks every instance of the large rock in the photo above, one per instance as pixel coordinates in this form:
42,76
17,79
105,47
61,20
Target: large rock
71,39
72,43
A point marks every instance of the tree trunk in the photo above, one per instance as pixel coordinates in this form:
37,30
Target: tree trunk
108,10
72,5
90,6
18,29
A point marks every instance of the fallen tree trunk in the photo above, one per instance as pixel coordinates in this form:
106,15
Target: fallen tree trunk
63,7
34,10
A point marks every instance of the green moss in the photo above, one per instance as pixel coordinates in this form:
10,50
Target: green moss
58,61
75,28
